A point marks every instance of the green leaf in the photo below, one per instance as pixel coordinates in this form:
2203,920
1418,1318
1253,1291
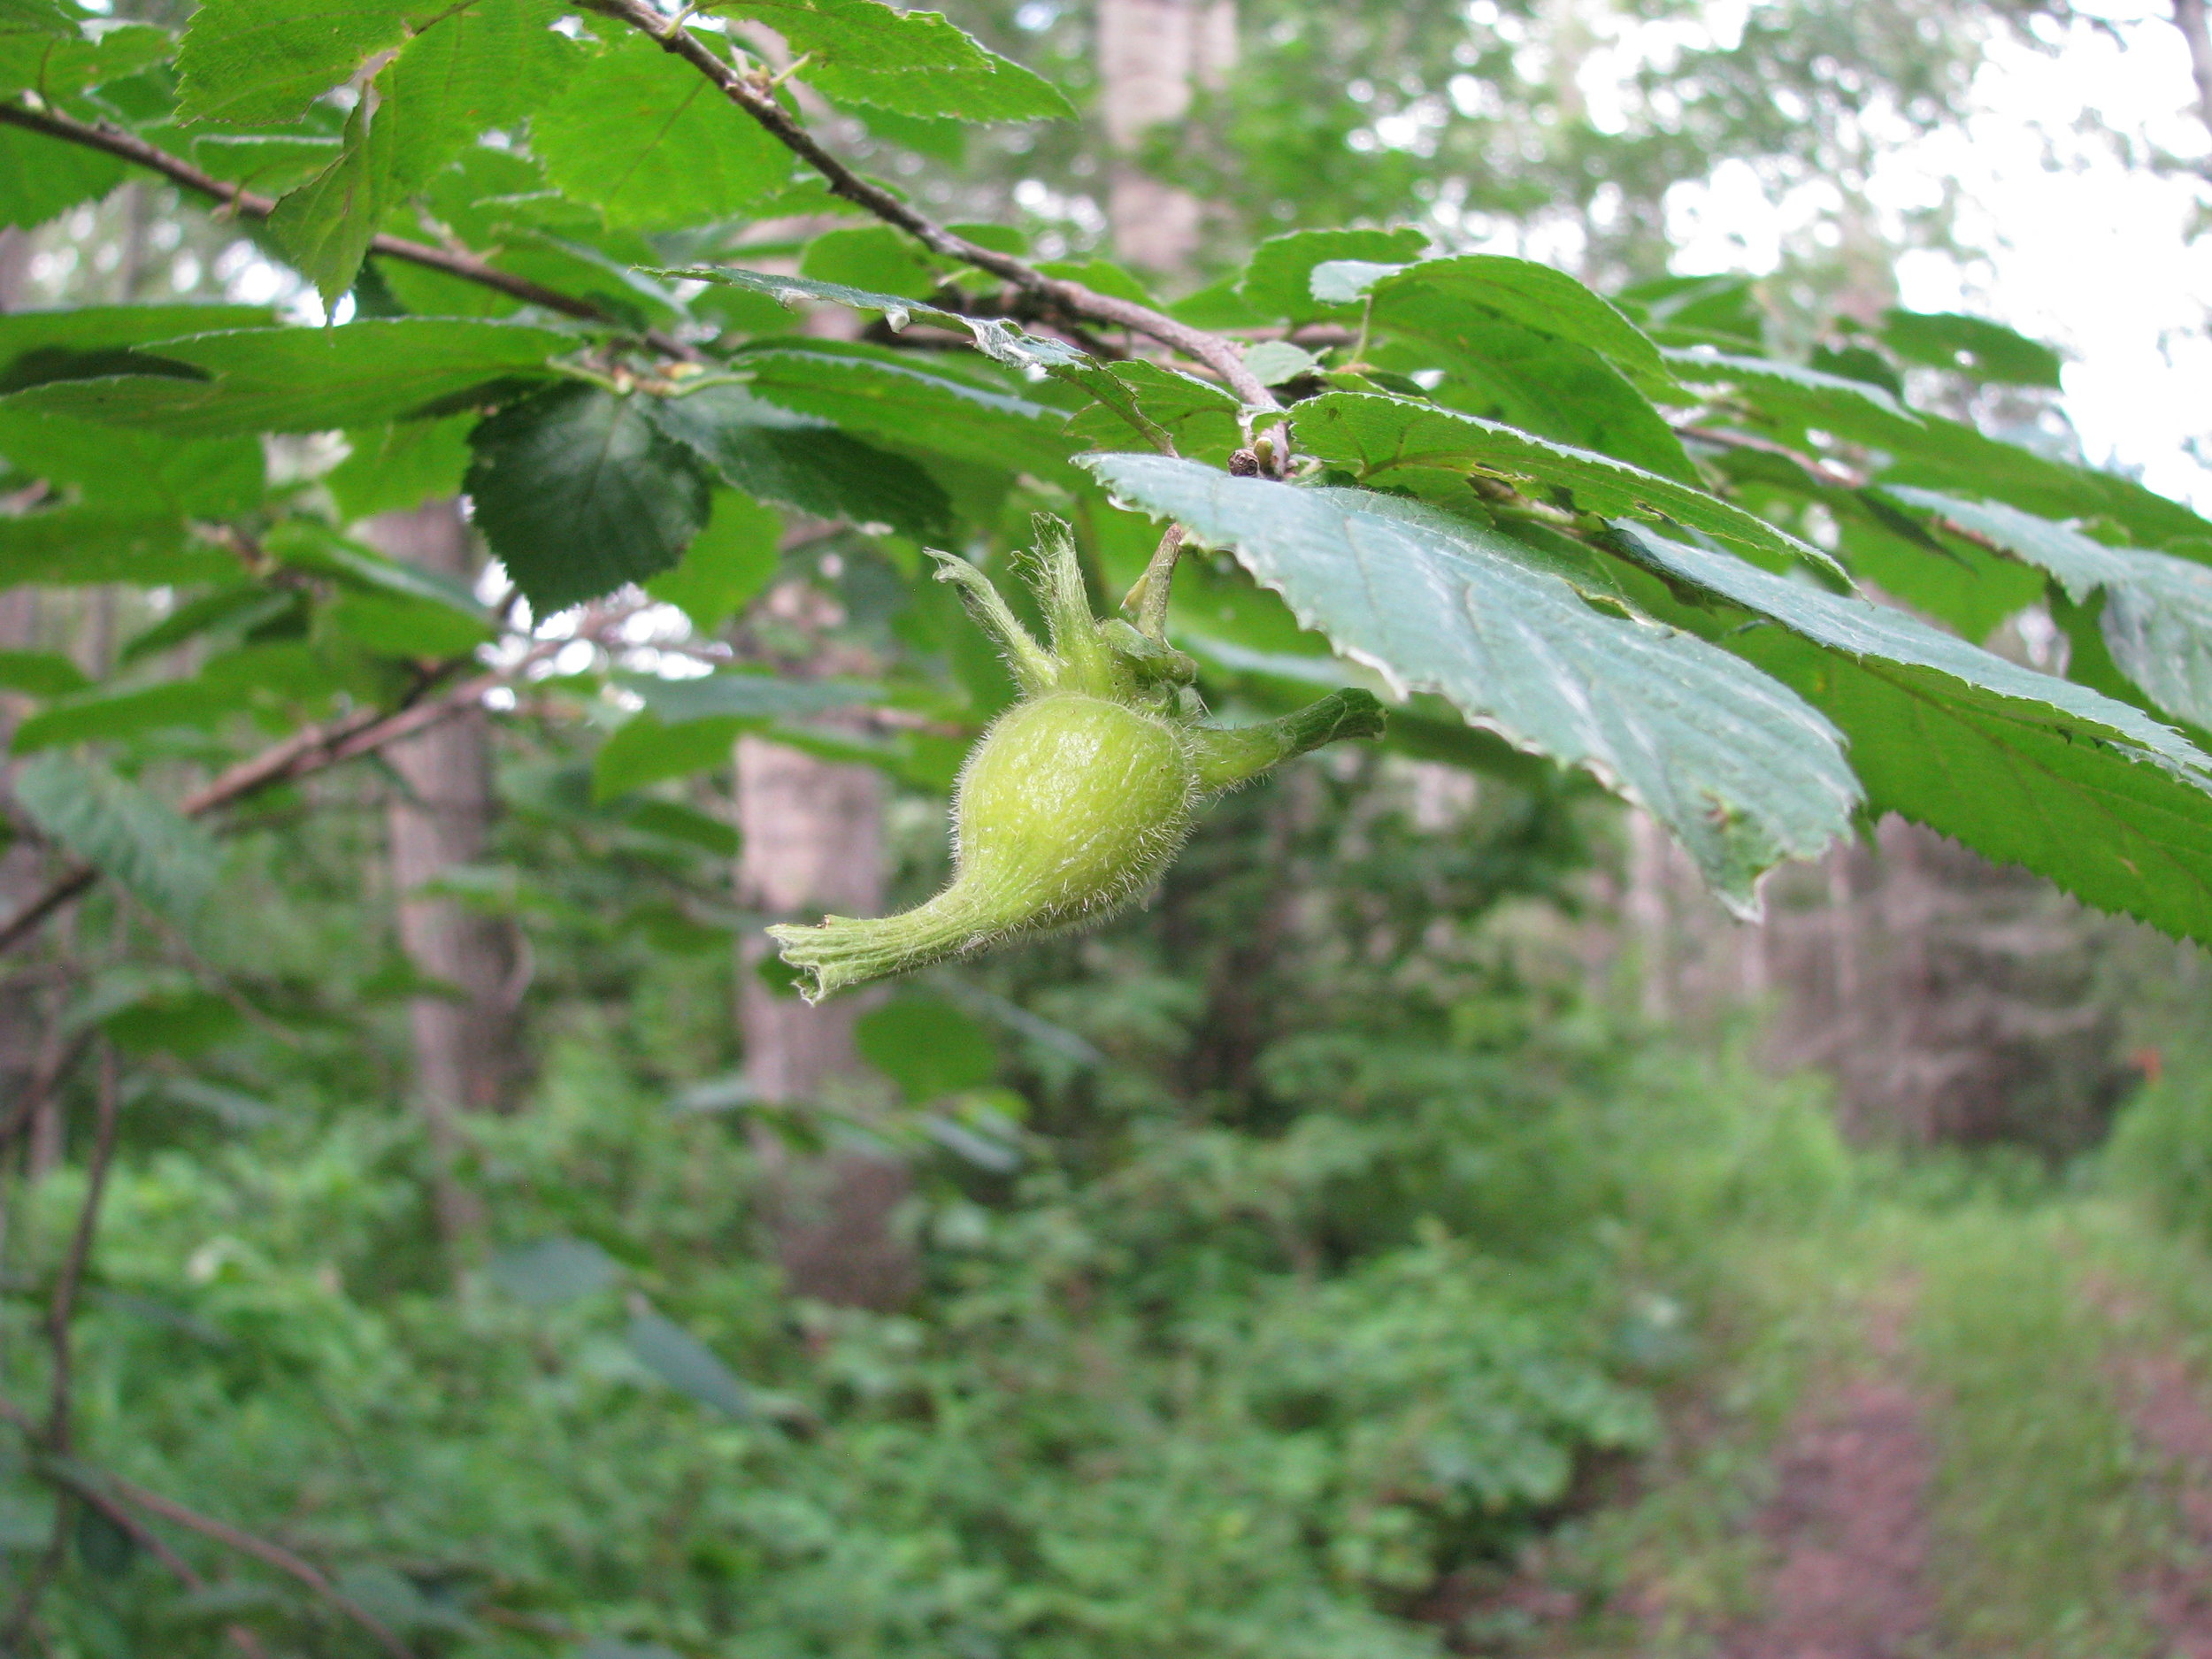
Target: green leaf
578,493
41,673
306,544
309,380
413,628
1973,346
1721,311
1419,447
480,66
1559,388
647,750
1418,298
164,861
1801,396
135,473
871,259
272,163
77,546
875,392
2023,767
1736,766
1154,402
1278,281
927,1046
912,63
726,563
232,611
41,178
399,467
688,1366
252,62
2157,616
648,140
671,821
800,461
38,346
746,696
59,70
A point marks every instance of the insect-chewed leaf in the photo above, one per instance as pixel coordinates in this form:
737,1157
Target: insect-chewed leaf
1417,446
578,493
913,63
643,137
2022,766
1737,766
164,860
2157,617
253,63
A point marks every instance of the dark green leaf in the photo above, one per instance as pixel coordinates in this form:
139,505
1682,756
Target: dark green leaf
578,493
1972,345
2023,767
1414,446
309,380
686,1364
674,822
104,1549
1737,766
726,563
306,544
37,346
876,393
648,141
802,461
231,609
164,861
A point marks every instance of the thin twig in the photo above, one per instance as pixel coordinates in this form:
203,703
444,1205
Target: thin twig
270,1555
149,1540
308,751
54,1435
251,204
59,1435
758,101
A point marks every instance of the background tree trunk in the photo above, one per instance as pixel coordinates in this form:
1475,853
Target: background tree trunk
464,1042
1151,55
813,843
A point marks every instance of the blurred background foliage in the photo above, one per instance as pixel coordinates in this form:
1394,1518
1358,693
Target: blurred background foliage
1284,1257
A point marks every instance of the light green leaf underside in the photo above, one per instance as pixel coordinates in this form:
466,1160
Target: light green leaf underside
2157,616
164,860
1397,442
2023,767
1738,767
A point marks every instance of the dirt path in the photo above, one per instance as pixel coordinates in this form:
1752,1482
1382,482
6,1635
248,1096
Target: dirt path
1847,1524
2165,1405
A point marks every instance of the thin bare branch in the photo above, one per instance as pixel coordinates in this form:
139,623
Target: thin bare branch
251,204
262,1550
756,98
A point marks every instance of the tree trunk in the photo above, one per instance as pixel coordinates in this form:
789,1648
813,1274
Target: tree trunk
1151,54
813,839
464,1039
